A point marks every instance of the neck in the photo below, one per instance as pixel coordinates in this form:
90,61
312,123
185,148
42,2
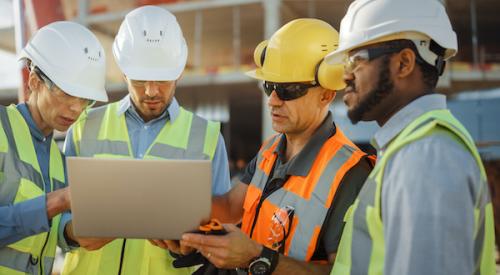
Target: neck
398,104
295,142
37,118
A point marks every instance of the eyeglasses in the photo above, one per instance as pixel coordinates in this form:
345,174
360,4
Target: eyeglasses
58,92
142,83
287,91
366,55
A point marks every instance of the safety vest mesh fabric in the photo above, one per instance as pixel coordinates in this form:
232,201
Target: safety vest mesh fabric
361,249
102,133
21,180
310,196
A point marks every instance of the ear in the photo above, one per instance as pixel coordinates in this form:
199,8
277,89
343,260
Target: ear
327,96
406,63
34,82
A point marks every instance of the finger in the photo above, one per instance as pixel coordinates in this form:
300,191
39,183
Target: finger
186,249
172,244
160,244
199,240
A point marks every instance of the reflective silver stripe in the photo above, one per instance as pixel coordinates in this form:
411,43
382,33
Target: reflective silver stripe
10,181
259,178
196,143
197,134
48,263
12,167
310,212
361,248
92,147
89,144
164,150
17,260
328,175
58,184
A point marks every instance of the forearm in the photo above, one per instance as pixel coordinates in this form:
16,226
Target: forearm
22,220
224,212
287,265
228,208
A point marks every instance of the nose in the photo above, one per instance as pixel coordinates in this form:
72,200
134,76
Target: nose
152,88
77,104
348,76
274,100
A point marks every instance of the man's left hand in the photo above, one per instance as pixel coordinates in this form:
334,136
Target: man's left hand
233,250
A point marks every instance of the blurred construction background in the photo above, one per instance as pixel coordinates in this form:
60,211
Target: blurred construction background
221,36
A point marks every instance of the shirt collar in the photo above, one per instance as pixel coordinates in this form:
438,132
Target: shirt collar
301,164
172,111
34,130
405,116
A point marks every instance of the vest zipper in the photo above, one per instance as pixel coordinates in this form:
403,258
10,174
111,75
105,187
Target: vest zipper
121,256
40,258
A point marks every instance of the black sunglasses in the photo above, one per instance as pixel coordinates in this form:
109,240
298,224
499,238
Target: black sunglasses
287,91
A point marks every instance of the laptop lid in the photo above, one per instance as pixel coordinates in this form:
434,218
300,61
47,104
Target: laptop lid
138,198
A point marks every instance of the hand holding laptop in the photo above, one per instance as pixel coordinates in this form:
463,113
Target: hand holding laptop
87,243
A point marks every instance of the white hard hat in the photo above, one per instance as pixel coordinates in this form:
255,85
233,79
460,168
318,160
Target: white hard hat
372,21
72,57
150,45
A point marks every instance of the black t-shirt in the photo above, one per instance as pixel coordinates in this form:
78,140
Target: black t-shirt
300,165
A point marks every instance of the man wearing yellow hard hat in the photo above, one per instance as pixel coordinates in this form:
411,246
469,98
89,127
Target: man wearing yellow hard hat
294,194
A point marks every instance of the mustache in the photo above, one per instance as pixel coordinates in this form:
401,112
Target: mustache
350,84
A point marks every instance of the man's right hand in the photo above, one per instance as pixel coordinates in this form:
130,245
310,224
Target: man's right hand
87,243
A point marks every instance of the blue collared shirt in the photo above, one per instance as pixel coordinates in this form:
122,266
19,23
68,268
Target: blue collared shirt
29,217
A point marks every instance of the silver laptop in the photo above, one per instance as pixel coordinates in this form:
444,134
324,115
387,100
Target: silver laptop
144,199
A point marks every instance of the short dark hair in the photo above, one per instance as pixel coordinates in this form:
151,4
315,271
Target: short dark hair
430,74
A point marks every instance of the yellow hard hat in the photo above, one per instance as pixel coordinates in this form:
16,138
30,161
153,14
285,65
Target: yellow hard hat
295,53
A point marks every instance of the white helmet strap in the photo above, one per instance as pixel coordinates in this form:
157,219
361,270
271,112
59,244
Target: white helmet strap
431,53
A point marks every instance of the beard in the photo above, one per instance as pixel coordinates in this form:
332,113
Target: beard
384,88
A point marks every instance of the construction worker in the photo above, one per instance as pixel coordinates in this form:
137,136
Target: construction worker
66,74
425,208
293,195
150,50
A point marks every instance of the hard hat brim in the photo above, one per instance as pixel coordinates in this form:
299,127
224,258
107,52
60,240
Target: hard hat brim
260,75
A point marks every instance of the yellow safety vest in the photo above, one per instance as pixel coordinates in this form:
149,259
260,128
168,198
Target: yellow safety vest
103,134
20,180
363,236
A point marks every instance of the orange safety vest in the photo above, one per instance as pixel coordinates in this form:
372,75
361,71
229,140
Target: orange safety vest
308,197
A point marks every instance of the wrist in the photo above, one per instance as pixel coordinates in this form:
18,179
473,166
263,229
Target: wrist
265,263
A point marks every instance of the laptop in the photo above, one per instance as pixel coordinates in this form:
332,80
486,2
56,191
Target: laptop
143,199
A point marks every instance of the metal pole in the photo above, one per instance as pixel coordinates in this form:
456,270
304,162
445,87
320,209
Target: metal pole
272,22
198,30
311,9
83,11
20,37
475,48
236,37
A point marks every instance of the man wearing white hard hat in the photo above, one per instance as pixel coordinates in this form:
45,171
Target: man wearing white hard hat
67,74
425,208
148,123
